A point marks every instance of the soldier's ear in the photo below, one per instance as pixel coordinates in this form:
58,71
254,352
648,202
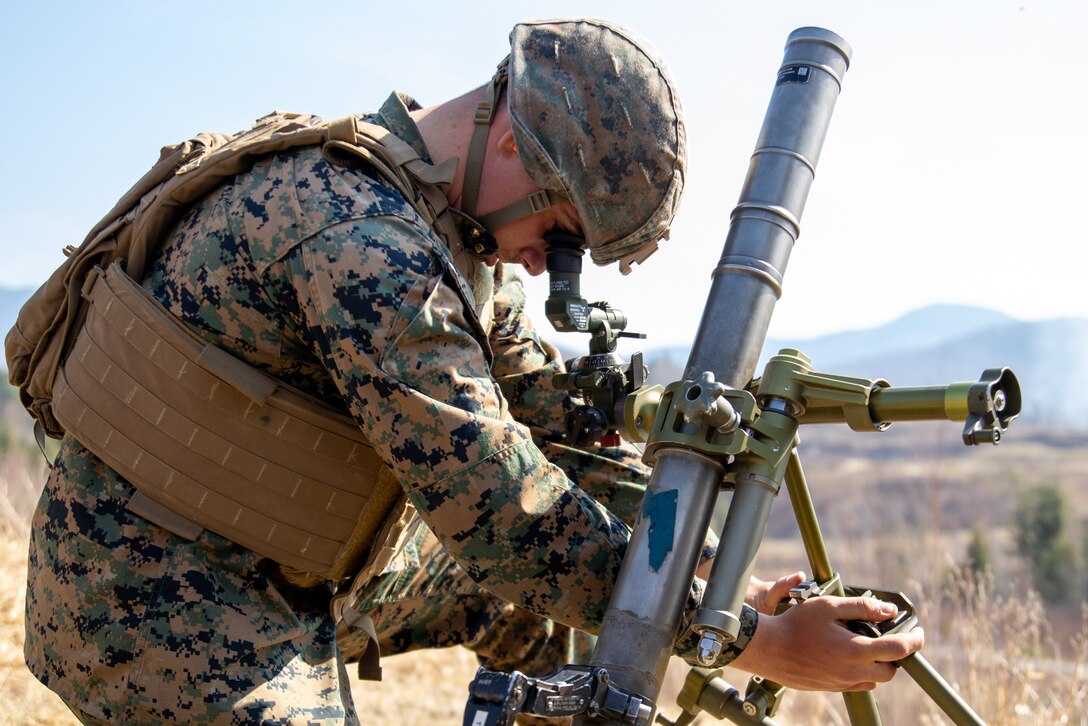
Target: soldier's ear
505,143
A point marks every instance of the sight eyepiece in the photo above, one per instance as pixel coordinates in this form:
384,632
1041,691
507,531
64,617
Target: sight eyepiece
564,259
565,307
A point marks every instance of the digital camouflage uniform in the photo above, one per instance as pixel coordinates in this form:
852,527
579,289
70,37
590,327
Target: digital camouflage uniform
327,279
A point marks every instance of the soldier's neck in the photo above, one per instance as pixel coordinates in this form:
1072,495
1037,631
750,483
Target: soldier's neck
447,129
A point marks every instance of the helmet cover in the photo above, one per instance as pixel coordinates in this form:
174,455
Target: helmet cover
596,117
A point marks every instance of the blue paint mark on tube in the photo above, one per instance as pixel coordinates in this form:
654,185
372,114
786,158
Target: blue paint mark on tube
660,509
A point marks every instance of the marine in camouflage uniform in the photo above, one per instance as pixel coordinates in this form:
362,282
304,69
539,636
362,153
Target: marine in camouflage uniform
329,280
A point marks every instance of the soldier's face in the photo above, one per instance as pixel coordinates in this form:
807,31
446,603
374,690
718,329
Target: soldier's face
504,181
522,241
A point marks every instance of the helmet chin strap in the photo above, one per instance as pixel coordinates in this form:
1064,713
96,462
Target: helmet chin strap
475,229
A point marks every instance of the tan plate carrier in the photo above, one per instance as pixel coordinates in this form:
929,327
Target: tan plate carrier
215,440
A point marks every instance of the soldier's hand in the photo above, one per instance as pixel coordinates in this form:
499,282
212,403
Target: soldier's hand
764,595
809,648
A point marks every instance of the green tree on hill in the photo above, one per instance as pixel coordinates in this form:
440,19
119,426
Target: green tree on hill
1040,524
979,561
1084,558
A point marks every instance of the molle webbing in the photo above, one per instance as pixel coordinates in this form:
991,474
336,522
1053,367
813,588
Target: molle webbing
217,441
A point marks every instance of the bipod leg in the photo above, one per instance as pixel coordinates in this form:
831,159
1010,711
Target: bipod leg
861,706
804,512
937,688
705,691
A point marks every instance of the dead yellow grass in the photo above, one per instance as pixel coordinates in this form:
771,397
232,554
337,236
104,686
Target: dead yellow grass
996,652
1000,661
22,699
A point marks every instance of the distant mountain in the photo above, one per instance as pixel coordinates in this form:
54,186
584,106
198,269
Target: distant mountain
946,344
1049,358
925,327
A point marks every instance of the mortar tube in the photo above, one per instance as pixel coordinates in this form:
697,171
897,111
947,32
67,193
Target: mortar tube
646,607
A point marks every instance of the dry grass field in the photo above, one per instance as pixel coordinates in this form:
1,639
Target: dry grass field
896,511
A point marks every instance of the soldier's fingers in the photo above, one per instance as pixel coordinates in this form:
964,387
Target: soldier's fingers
872,674
783,584
884,672
780,588
890,648
859,608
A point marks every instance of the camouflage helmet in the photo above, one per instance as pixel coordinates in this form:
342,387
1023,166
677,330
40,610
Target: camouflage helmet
597,119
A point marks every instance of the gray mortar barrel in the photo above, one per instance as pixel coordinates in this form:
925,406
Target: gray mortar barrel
644,613
766,221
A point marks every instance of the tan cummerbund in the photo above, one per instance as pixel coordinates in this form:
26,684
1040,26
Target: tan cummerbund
217,441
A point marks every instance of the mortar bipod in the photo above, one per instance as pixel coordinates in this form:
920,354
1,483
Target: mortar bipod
764,454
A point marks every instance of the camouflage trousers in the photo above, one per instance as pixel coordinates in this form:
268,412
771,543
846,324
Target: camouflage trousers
129,623
431,603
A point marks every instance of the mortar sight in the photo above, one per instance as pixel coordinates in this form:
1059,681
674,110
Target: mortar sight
565,308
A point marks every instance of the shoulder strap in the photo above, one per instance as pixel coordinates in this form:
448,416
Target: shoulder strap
196,177
352,141
133,230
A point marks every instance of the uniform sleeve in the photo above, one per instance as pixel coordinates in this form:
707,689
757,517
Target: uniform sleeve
523,367
385,312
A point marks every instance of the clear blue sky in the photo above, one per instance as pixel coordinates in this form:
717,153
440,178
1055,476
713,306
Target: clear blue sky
954,170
